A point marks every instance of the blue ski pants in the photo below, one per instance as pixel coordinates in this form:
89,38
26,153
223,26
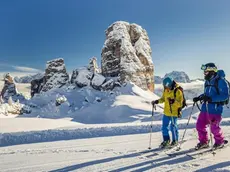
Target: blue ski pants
172,121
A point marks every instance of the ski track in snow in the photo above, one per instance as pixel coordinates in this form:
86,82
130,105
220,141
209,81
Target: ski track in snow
117,153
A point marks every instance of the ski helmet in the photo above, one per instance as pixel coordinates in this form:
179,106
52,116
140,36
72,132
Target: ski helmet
209,67
167,82
210,70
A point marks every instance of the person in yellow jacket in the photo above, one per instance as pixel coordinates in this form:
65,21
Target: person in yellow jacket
173,100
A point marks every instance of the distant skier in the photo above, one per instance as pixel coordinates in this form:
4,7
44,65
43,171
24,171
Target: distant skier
216,94
173,101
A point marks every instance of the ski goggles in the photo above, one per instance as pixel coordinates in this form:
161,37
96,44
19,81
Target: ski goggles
207,68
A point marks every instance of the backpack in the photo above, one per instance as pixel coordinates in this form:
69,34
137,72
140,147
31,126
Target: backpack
218,91
184,104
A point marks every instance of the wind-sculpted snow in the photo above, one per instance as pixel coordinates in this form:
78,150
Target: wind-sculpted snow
86,131
89,106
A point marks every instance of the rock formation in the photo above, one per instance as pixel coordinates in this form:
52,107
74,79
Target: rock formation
127,54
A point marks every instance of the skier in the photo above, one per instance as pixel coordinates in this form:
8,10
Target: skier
216,93
172,104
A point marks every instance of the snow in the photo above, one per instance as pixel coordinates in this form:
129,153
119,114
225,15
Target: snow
101,131
98,80
8,108
21,124
61,100
117,153
84,76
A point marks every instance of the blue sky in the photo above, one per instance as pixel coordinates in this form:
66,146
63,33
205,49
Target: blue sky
183,34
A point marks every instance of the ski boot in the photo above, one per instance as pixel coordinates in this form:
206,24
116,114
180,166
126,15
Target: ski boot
165,144
201,146
218,146
174,143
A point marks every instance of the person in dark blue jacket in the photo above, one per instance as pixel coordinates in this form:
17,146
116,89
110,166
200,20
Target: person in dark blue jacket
216,93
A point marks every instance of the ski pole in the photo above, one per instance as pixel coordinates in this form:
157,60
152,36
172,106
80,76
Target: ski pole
182,139
151,127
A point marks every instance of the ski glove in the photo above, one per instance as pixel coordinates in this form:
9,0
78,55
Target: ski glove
154,102
171,101
196,99
207,98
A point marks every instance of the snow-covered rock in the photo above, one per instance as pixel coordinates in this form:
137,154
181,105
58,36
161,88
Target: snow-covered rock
110,84
127,54
55,75
93,67
81,77
179,76
26,110
36,86
97,81
9,90
29,78
60,100
12,108
88,105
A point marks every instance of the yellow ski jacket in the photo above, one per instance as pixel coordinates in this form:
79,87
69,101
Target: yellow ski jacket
172,109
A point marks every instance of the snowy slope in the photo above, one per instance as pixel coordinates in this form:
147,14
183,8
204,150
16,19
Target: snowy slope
125,110
86,105
124,104
117,153
9,125
105,135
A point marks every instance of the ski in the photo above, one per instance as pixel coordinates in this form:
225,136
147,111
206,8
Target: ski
207,151
170,148
193,153
159,150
